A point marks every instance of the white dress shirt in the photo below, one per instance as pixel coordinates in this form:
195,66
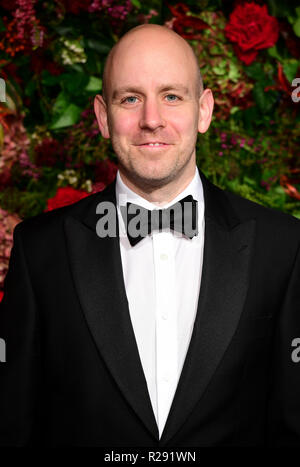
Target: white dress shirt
162,275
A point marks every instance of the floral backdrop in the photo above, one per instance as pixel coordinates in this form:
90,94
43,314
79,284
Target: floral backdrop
51,61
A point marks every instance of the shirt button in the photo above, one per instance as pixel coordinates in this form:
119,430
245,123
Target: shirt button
163,257
166,378
164,316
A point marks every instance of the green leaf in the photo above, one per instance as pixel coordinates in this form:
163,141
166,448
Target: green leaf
267,173
264,100
30,88
296,27
279,189
74,83
220,69
48,79
100,47
2,25
273,52
255,71
94,84
76,68
234,109
290,69
61,103
214,50
279,8
249,181
251,117
69,117
64,30
259,96
136,3
234,72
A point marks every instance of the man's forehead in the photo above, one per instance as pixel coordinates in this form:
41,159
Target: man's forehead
140,65
150,70
150,37
132,52
159,87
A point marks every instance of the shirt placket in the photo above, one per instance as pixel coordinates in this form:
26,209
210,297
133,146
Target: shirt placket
166,324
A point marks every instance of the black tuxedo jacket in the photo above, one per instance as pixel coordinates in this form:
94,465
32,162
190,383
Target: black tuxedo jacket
73,376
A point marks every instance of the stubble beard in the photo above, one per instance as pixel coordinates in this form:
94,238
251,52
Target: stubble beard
149,183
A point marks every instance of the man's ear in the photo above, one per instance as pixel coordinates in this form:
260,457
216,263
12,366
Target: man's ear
206,106
101,114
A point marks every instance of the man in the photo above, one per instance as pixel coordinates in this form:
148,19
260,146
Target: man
171,340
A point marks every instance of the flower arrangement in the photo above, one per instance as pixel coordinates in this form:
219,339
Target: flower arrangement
52,56
7,224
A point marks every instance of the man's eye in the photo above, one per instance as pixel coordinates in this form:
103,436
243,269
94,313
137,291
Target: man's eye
129,97
173,95
133,97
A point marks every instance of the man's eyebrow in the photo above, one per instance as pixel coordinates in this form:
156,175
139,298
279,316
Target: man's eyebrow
164,87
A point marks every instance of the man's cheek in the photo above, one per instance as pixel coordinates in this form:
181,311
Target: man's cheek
125,128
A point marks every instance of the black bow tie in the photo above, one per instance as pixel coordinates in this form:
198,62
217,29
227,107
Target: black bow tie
181,217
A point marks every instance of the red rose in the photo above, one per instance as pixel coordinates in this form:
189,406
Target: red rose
65,196
251,29
1,295
98,186
182,20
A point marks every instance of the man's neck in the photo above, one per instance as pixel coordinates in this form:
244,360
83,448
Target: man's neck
160,195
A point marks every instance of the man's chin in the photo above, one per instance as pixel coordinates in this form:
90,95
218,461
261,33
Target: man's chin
154,178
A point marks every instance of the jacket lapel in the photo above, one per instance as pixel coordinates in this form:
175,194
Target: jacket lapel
225,273
98,276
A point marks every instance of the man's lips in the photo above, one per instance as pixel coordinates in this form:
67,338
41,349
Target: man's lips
152,143
149,146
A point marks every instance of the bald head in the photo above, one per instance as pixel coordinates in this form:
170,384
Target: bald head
152,35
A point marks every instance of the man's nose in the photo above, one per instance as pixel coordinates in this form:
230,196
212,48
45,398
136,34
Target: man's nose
152,115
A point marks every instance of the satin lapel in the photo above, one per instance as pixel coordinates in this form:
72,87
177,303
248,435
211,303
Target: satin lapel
98,277
226,261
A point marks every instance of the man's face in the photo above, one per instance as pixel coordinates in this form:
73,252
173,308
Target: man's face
152,98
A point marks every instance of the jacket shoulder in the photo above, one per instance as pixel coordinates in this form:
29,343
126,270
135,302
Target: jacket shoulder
49,222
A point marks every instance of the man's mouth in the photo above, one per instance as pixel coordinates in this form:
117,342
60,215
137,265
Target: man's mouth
153,145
